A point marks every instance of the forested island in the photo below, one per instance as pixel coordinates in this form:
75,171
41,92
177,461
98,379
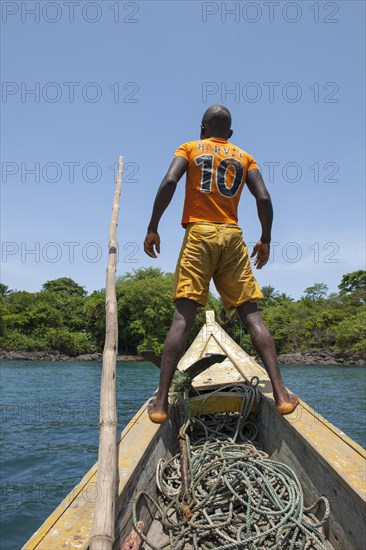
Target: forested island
64,321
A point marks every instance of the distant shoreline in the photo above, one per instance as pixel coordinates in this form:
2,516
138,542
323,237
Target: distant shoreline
323,357
312,357
55,356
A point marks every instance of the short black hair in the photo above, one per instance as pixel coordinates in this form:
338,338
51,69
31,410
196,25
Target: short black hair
217,118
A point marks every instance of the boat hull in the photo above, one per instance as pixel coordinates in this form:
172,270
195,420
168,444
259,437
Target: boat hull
325,460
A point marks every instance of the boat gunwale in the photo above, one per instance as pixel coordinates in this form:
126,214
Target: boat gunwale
212,329
45,528
59,511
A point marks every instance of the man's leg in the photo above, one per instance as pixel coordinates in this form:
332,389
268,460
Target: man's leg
264,346
174,347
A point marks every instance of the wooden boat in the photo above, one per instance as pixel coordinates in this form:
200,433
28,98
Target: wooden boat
326,461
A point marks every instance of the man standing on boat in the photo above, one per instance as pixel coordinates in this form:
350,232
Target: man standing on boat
213,247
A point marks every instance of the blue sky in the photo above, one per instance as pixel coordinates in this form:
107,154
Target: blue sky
134,78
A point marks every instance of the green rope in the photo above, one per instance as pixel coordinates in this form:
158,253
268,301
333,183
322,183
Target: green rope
241,498
180,382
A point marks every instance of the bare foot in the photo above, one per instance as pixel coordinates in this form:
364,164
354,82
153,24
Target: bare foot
157,411
289,404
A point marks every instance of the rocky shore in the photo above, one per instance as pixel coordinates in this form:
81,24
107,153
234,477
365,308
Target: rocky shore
54,356
323,357
313,357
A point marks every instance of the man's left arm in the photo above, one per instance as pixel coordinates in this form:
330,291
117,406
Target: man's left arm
258,189
162,200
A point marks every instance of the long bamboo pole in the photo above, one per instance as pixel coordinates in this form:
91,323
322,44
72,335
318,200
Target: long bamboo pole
102,534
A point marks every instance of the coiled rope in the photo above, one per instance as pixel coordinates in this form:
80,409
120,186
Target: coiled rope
241,498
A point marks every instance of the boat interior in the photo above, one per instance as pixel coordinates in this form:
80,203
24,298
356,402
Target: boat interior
326,462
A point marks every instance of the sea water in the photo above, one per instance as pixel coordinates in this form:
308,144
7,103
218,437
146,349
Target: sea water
50,415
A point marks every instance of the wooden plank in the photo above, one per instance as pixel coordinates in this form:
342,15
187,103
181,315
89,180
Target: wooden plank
222,402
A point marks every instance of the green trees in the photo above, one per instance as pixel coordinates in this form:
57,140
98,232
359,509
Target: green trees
48,320
94,314
351,333
353,287
316,292
145,309
61,317
64,285
353,282
269,292
4,290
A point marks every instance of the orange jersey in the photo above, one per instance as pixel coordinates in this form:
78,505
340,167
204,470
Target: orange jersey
216,175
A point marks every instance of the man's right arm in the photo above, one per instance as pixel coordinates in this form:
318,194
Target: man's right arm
258,189
163,197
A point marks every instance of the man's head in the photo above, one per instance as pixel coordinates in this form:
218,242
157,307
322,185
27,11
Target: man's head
216,122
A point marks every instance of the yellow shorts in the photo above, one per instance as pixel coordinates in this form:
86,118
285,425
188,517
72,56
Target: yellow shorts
212,250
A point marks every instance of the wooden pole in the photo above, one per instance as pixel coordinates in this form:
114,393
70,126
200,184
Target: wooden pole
102,534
